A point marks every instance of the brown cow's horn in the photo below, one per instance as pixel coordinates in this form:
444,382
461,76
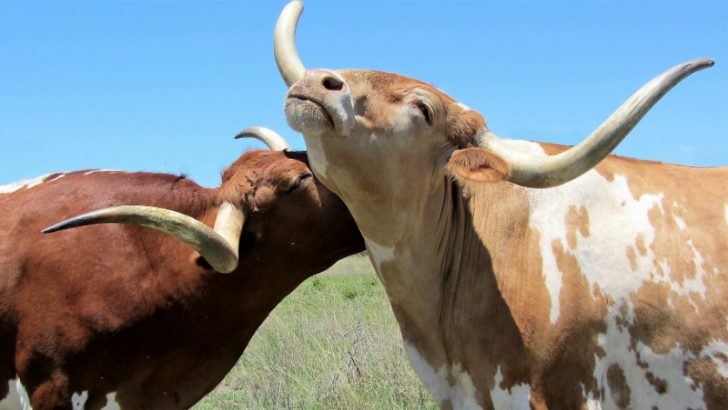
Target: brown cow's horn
267,136
543,172
219,246
284,43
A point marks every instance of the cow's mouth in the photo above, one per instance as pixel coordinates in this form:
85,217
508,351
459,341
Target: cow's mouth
307,114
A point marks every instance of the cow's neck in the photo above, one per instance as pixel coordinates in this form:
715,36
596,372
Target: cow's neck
204,308
189,291
200,295
439,288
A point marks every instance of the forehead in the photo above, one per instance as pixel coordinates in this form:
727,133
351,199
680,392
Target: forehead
462,123
266,165
389,84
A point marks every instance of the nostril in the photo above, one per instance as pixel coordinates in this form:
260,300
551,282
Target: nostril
333,84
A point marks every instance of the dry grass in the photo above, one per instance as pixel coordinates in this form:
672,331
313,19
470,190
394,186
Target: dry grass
332,344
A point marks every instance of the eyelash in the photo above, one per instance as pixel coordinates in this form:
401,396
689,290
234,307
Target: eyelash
298,182
425,111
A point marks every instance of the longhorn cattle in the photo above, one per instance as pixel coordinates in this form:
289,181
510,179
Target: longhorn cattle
122,316
524,274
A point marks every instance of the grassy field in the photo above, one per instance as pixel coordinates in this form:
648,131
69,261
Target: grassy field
331,344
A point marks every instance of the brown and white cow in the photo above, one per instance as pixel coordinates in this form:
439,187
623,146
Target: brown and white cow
119,316
524,274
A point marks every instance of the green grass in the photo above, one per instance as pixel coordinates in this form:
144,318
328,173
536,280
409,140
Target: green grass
332,344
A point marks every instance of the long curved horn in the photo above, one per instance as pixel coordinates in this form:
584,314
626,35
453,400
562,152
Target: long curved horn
267,136
543,172
284,43
219,247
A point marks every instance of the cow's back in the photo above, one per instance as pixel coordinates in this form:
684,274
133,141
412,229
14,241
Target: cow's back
633,260
37,287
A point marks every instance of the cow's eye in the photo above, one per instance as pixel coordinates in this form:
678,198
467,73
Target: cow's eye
425,110
299,182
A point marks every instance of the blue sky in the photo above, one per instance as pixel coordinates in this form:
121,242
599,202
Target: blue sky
165,85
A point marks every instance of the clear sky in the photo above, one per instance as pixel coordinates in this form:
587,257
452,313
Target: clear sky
165,85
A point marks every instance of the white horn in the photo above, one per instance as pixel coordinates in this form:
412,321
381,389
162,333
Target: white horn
284,43
543,172
219,247
267,136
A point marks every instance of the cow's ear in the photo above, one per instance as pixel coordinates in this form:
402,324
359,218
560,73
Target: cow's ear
477,164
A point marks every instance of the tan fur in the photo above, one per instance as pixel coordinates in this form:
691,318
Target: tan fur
477,165
463,267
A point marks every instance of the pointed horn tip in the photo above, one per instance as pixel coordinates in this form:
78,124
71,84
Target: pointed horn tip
228,268
698,64
248,132
295,3
56,227
49,229
74,222
705,61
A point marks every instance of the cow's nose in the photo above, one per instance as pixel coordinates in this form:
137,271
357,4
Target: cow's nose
331,91
327,80
332,83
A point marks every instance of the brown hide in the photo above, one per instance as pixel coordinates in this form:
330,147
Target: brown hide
119,308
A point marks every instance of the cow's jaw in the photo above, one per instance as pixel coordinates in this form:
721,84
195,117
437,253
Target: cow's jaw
307,115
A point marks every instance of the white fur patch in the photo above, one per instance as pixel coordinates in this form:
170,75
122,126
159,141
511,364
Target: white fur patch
680,222
461,395
717,351
30,183
604,252
668,367
100,170
379,254
517,397
78,401
316,156
17,398
111,403
525,148
463,107
27,183
694,285
591,403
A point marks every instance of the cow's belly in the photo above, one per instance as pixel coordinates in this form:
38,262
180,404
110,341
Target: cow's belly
450,386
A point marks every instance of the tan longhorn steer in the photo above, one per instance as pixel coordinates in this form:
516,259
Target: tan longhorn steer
525,274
